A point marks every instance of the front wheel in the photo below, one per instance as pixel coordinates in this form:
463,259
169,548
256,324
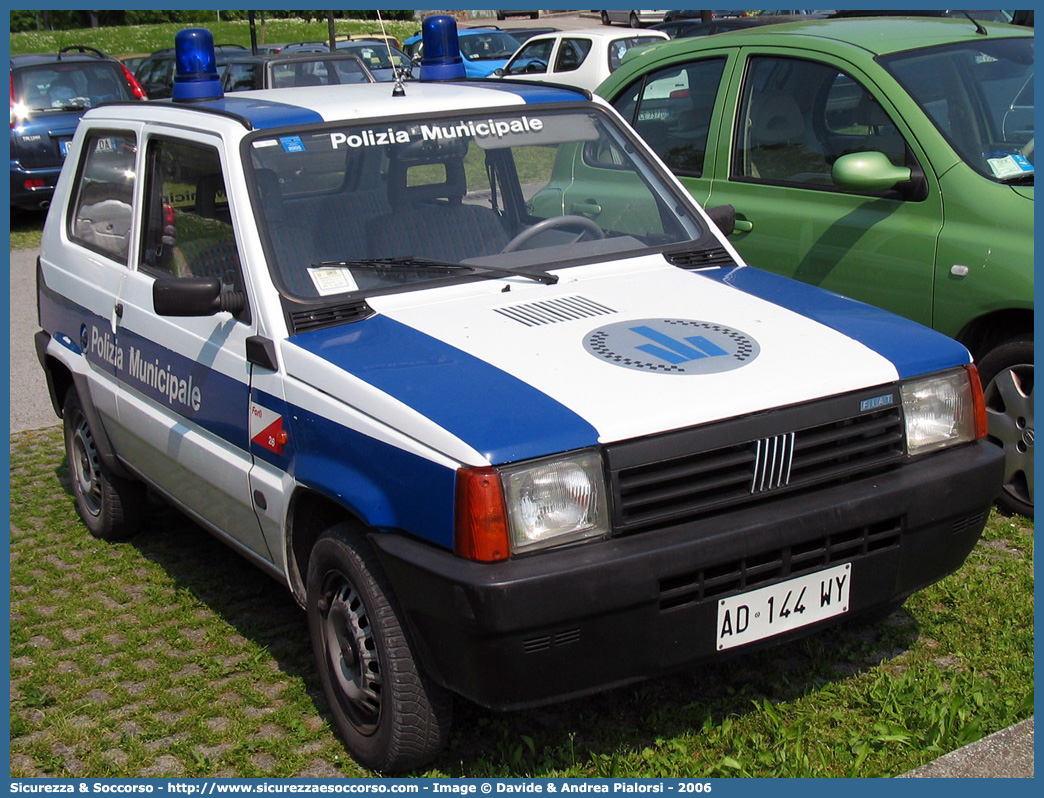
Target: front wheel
112,507
391,715
1007,381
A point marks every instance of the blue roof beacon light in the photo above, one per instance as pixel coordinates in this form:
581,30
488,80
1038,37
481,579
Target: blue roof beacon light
441,59
195,75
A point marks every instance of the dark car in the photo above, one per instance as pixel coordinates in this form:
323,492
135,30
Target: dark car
982,16
288,71
49,94
156,73
684,28
381,58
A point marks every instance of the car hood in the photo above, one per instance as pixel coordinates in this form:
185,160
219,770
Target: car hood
609,353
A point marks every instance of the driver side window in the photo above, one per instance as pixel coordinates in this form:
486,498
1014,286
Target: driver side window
798,117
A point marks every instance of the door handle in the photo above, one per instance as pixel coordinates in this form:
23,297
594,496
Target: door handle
744,226
589,208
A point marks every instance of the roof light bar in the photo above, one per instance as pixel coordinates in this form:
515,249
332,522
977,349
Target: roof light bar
195,76
440,59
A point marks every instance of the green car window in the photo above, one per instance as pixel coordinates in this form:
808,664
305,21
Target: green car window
798,117
979,94
671,110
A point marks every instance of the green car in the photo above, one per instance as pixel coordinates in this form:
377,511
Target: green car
886,159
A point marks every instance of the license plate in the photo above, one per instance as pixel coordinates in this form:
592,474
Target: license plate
780,608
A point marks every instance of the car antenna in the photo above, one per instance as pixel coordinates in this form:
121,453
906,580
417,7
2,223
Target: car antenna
398,90
978,25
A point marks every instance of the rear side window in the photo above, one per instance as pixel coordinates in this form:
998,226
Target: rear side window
102,210
70,86
671,109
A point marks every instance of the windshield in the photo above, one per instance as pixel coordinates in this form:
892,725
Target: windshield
72,86
488,46
390,204
979,94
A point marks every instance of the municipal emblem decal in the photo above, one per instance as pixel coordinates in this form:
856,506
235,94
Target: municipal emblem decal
672,346
266,428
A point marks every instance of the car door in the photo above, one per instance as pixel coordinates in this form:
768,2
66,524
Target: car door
783,117
184,395
95,265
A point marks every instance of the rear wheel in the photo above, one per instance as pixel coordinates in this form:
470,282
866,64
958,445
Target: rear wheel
1007,380
605,18
635,22
112,507
391,715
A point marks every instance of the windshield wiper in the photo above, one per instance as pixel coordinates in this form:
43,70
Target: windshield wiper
436,265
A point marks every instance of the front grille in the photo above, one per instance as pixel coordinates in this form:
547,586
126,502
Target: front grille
753,571
688,474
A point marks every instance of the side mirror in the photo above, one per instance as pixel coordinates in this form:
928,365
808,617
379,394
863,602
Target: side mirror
724,216
868,171
194,296
498,72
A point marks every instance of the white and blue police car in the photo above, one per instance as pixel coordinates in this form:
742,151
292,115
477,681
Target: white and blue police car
463,366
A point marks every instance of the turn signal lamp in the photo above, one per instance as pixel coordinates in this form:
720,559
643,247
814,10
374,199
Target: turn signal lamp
195,76
481,530
441,59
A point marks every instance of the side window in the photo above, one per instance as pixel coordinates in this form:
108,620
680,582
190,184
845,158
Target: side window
188,225
671,109
798,117
101,216
571,54
532,58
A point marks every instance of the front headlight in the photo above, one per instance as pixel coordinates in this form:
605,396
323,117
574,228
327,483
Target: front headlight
555,501
942,410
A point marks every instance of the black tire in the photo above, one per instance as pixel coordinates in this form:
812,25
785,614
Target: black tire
112,507
605,18
1007,380
633,21
391,715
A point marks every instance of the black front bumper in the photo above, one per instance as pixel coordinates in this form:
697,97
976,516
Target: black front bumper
564,623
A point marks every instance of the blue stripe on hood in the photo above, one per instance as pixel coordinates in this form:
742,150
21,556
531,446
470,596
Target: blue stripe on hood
911,347
500,416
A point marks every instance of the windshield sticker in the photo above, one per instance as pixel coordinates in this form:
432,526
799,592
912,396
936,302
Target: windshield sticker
672,346
292,143
332,280
1008,164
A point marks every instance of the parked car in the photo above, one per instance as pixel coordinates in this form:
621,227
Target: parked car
504,14
687,13
583,57
683,28
890,160
381,57
156,73
473,377
132,60
633,18
993,15
521,35
49,94
292,70
484,50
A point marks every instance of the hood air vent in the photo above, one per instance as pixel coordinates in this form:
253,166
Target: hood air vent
552,311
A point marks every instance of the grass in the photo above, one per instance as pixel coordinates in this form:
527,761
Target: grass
171,656
119,40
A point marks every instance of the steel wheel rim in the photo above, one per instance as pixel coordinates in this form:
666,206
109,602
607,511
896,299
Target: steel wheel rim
1009,409
351,652
86,468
